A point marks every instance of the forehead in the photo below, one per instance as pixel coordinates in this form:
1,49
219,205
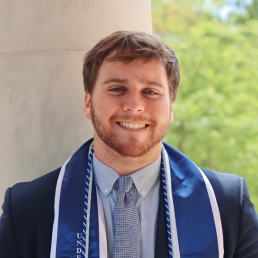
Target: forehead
152,68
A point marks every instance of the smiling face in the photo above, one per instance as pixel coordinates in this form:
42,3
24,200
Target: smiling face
130,107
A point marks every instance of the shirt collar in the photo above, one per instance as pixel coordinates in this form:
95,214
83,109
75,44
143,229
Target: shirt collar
104,176
143,179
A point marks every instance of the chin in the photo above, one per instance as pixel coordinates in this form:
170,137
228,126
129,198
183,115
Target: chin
131,148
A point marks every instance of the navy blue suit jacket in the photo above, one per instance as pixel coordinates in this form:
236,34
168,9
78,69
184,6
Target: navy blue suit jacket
28,214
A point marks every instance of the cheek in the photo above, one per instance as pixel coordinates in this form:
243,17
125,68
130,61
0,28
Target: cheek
108,106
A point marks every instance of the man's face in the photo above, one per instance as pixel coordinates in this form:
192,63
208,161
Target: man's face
130,107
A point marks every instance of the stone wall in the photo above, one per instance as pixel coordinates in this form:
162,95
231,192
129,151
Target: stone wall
42,47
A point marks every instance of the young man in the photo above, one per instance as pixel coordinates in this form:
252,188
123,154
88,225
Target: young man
125,193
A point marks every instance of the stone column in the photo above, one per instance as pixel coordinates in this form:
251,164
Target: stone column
42,47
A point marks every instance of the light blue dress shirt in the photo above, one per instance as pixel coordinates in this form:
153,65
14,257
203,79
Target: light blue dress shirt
145,192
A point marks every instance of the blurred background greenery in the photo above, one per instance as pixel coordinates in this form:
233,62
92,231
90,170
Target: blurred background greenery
216,110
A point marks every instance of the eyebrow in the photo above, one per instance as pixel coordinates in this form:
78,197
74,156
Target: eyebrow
117,80
124,81
151,83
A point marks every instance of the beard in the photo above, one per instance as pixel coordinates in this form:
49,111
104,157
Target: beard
132,148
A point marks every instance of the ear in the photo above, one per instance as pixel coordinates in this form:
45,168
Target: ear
87,105
171,120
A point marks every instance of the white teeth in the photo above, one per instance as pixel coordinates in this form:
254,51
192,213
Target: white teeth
132,125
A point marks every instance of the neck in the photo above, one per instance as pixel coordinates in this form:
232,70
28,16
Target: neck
124,166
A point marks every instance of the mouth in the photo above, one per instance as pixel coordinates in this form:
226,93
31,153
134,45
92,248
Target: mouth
133,126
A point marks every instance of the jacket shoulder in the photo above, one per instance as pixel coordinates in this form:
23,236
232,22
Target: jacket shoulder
38,188
224,185
34,199
32,209
238,216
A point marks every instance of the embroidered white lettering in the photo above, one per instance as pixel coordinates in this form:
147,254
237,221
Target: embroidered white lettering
79,235
78,250
79,243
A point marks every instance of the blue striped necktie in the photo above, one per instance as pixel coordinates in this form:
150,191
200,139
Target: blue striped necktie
127,228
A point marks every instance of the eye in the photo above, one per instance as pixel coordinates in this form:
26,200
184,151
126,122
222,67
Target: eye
150,92
116,90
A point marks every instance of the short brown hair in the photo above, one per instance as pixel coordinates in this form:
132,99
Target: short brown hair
127,46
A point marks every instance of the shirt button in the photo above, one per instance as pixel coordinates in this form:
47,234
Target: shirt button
143,192
106,190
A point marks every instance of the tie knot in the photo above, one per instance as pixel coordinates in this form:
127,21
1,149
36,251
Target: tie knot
124,183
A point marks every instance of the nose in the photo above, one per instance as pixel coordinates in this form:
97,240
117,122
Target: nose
133,103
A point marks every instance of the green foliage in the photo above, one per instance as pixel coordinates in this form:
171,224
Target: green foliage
216,118
253,10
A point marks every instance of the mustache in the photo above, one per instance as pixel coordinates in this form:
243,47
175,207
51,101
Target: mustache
133,119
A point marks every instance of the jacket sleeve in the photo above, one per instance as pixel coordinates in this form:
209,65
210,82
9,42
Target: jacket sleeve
247,246
8,243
